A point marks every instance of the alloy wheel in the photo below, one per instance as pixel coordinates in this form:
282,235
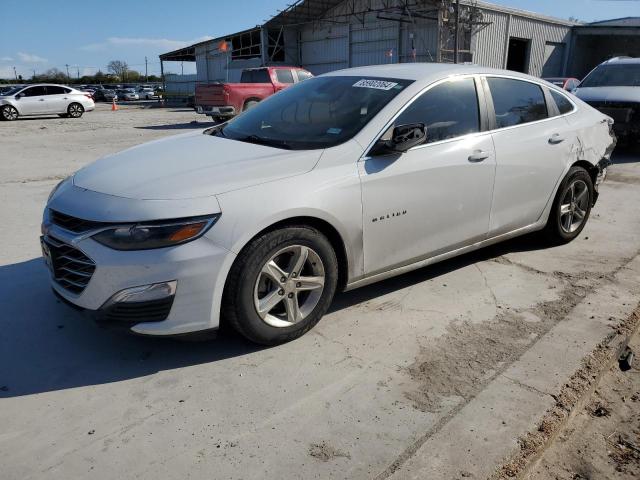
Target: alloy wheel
9,112
574,206
289,286
75,110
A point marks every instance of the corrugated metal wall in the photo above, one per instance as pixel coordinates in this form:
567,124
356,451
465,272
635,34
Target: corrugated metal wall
331,46
490,44
211,65
326,48
366,41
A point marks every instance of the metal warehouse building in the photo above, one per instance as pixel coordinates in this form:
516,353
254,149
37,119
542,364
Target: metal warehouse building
326,35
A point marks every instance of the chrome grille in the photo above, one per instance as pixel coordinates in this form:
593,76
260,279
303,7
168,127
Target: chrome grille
71,268
73,224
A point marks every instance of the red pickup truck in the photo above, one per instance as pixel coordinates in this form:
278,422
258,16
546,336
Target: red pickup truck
224,100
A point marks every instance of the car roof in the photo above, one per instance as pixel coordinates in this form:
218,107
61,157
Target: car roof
425,72
622,60
47,85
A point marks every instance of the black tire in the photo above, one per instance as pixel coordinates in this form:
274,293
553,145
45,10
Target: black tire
9,113
75,110
238,297
249,104
554,231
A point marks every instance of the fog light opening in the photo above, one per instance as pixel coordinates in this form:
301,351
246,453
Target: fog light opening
144,293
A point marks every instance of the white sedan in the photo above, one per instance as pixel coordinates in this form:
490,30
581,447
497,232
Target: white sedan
44,99
334,183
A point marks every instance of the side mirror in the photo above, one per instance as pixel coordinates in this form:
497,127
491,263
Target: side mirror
401,138
408,136
19,96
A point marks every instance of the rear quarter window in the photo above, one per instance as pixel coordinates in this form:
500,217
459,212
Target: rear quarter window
562,102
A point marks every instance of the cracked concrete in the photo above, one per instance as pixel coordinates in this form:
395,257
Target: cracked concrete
371,381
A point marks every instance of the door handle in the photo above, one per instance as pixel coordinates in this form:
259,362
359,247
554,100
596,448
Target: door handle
42,99
478,156
555,138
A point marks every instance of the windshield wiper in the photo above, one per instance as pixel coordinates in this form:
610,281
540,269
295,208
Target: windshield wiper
270,142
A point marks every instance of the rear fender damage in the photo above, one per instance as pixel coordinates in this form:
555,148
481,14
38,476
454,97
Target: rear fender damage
594,146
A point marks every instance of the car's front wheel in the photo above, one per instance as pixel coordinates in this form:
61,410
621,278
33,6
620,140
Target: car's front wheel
281,284
571,207
9,113
75,110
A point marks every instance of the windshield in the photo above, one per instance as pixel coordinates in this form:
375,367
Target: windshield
620,75
11,91
317,113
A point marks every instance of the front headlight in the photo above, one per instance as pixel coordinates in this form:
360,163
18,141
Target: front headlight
145,236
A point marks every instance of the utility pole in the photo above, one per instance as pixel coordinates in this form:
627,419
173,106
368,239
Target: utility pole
34,75
15,73
457,30
182,68
146,71
67,65
78,72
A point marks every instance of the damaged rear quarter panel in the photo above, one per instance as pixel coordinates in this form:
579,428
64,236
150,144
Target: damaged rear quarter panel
593,138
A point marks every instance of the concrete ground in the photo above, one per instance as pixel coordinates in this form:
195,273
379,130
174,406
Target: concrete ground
433,374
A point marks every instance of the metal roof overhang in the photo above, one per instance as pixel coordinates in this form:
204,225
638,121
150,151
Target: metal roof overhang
186,54
302,11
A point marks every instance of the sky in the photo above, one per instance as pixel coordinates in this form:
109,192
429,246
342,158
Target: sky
86,35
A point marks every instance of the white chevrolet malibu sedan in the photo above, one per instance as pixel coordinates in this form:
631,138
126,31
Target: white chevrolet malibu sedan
44,99
342,180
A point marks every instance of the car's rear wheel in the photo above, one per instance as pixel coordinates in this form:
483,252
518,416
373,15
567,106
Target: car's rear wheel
281,284
571,207
249,104
75,110
9,113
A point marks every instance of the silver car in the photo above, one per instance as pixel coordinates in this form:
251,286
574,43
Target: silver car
613,87
334,183
44,99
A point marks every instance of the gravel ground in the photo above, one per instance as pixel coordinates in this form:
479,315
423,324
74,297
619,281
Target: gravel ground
41,148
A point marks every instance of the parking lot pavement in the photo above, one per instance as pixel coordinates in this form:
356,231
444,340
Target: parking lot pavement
393,370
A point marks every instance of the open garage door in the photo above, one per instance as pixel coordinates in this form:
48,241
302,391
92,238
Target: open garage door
595,44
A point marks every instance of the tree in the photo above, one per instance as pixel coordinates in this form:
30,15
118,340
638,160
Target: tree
118,68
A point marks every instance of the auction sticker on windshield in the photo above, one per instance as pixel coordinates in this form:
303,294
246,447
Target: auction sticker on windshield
377,84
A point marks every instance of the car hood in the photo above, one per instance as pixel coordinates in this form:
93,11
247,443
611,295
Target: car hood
191,165
609,94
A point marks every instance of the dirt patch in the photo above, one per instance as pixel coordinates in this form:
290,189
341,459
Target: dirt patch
474,354
325,452
570,401
603,440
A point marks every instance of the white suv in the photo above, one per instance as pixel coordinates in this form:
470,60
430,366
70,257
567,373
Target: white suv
44,99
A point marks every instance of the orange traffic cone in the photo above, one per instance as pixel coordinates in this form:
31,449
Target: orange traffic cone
114,107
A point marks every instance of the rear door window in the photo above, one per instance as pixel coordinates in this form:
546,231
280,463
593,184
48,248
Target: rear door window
284,75
448,110
516,101
255,76
53,90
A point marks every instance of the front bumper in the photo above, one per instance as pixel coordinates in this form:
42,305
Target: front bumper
198,268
